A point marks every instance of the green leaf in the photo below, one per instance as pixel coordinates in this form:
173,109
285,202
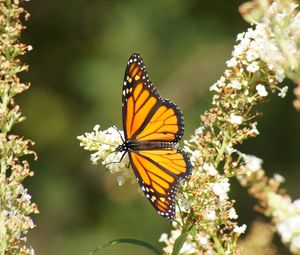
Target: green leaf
127,241
180,242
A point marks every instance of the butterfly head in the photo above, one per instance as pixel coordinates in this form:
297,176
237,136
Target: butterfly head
123,147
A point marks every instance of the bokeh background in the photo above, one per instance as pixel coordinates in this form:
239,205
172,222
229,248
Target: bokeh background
80,51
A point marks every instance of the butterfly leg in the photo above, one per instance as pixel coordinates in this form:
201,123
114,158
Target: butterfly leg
116,162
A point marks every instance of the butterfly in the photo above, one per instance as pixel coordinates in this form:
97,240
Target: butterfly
152,128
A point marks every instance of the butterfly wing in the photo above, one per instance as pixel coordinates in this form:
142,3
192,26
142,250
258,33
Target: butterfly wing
146,116
158,173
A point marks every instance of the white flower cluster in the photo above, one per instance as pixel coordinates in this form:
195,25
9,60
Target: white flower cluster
193,245
275,46
104,144
287,218
282,27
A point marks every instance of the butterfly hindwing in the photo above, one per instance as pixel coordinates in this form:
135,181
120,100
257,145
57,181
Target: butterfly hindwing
146,116
158,173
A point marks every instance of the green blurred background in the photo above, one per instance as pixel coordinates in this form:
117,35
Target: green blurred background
80,51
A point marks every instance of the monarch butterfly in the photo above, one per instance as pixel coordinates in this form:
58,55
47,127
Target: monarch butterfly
152,128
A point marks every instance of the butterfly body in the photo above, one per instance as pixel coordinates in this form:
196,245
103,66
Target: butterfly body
152,128
140,146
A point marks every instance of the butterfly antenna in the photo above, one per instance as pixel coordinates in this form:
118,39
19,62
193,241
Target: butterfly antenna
119,133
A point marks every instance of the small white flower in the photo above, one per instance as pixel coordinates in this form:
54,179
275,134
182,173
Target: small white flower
228,252
231,62
280,74
214,87
235,84
253,67
254,129
203,238
261,90
188,248
210,169
31,251
221,189
241,229
240,36
195,155
235,119
251,54
283,92
211,215
199,131
284,232
241,47
279,178
185,203
232,214
252,163
230,150
163,238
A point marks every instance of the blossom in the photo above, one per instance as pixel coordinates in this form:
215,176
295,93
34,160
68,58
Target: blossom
278,178
254,129
261,90
240,229
103,144
203,238
210,169
287,219
253,163
232,214
283,91
253,67
16,207
232,62
221,188
211,215
163,237
235,84
235,119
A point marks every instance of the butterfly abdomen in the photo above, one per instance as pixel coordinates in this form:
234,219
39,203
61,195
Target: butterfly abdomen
147,145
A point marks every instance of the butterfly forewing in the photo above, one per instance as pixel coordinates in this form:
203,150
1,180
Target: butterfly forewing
158,173
146,116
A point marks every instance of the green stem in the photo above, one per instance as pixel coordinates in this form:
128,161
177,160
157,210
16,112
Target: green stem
218,246
222,149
